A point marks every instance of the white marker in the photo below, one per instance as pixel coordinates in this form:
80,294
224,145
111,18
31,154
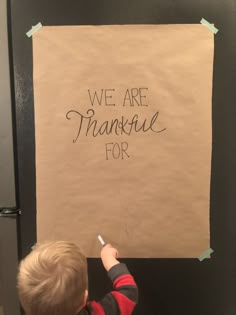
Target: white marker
101,240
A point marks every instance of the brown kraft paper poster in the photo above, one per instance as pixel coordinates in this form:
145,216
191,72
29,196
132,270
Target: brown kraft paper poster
123,137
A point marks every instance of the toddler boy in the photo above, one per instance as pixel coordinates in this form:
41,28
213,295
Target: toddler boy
52,280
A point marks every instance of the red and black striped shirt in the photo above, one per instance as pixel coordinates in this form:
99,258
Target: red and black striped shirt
121,300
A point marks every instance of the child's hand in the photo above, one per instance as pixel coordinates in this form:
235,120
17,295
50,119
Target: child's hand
108,256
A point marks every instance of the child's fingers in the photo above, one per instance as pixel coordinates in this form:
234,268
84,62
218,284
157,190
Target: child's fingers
107,246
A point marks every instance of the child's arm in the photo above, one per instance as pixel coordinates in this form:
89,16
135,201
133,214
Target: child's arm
123,298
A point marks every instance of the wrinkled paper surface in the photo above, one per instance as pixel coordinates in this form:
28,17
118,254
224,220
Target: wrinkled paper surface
131,162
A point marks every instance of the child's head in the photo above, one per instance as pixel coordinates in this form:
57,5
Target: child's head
52,279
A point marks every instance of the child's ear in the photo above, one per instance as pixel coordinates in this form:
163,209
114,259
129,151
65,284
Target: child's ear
84,302
85,296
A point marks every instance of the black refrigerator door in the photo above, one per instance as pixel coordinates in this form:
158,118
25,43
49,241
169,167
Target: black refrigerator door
7,173
167,286
9,304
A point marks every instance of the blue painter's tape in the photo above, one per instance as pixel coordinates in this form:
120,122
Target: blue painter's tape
34,29
33,247
209,26
205,254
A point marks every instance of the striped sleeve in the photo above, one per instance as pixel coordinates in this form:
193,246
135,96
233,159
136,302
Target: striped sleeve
123,298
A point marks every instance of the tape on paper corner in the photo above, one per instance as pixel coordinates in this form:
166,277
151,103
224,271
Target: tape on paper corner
34,29
33,246
205,254
210,26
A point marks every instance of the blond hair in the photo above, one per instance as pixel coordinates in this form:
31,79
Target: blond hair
52,279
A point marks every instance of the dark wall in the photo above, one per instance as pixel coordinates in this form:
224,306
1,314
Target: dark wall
167,286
